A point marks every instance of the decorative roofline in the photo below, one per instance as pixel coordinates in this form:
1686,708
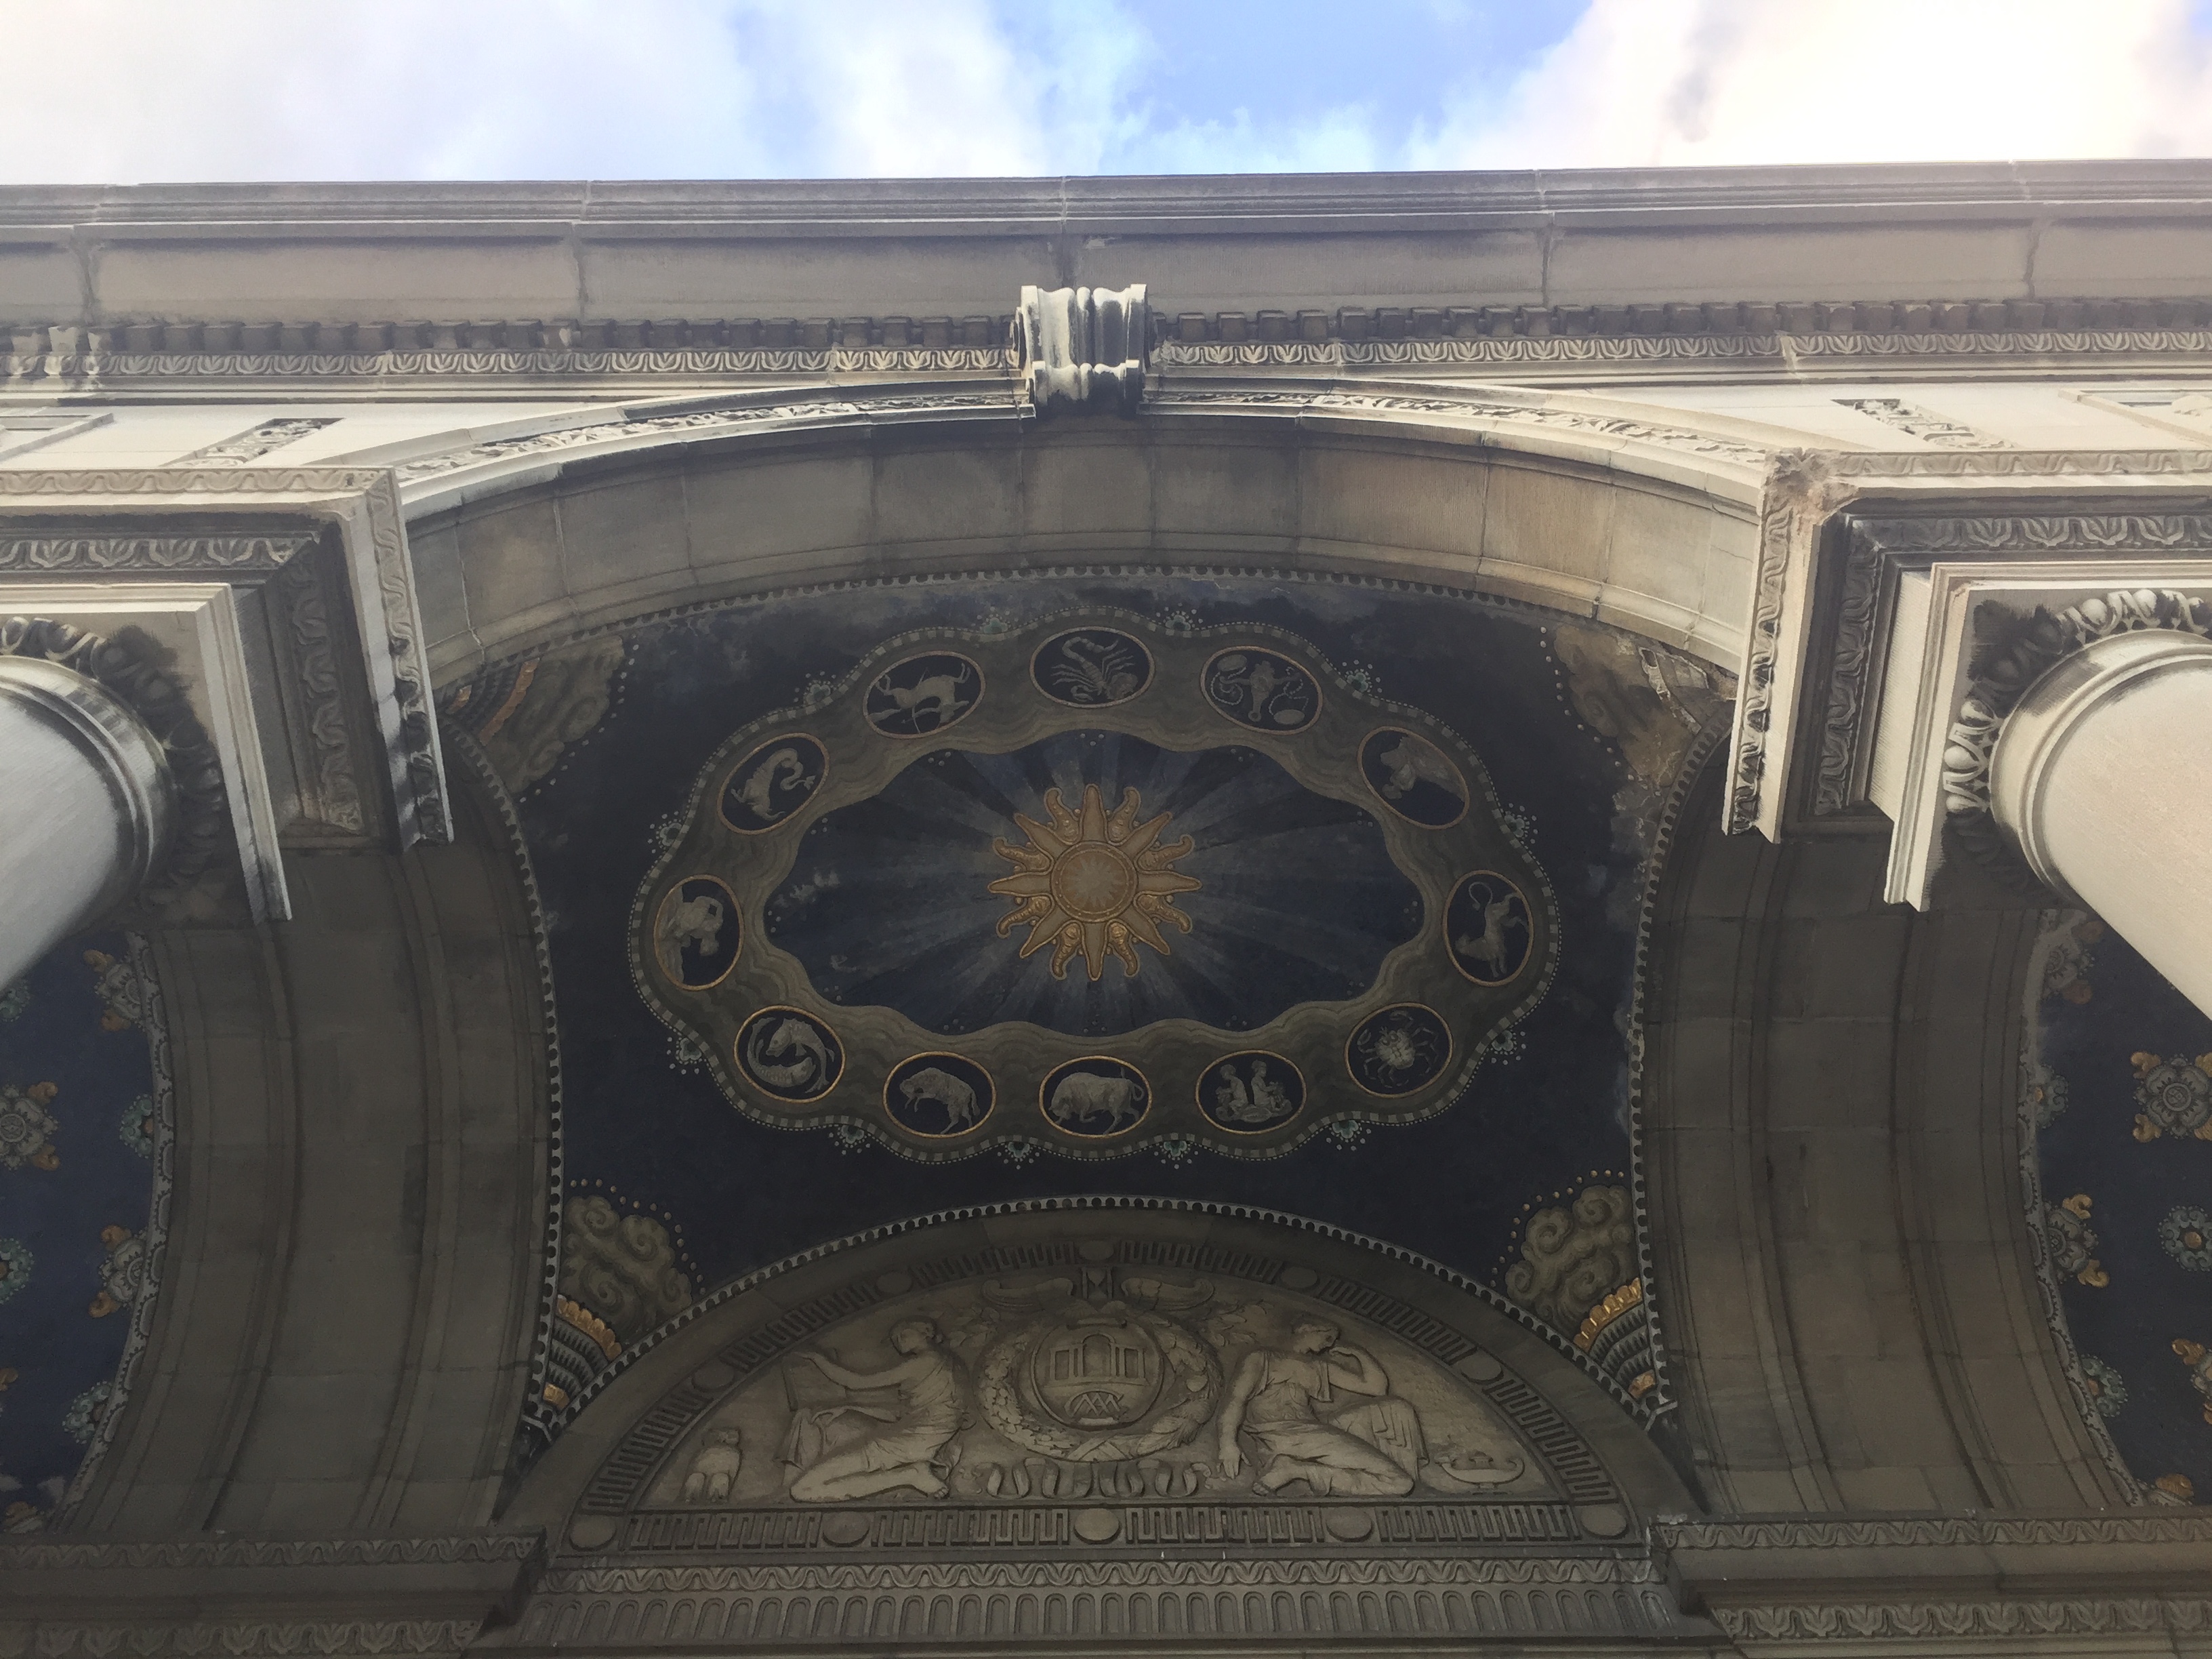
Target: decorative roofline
1440,200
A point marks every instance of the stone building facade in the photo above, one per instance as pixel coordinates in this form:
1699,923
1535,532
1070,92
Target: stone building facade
1407,914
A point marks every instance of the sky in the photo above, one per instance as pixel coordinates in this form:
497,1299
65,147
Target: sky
133,91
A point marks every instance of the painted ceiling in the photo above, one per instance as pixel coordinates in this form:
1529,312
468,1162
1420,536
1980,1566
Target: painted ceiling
1317,897
2117,1104
84,1162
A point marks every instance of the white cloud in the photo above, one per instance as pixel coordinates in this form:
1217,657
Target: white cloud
1668,82
137,90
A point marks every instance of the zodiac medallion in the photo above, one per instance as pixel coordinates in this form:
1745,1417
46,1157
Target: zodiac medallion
939,1096
696,933
923,695
1095,1096
1486,928
771,783
1263,689
789,1053
1091,667
1092,881
1398,1050
1410,776
1250,1093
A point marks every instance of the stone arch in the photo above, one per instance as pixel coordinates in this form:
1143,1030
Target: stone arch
1847,1287
350,1297
526,541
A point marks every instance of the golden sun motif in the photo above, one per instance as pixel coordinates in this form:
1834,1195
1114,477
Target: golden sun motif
1092,883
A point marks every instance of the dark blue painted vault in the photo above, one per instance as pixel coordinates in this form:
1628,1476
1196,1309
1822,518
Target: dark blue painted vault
83,1136
2118,1097
1306,910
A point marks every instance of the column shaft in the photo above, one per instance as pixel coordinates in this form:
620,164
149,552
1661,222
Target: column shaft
84,809
2103,775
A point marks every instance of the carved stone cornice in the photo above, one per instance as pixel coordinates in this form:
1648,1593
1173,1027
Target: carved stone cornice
345,626
1768,1532
258,1639
199,1552
1727,337
1816,1578
121,554
1114,1602
273,1596
1876,539
2007,496
1943,1619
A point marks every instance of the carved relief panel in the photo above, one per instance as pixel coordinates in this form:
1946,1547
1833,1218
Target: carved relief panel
1078,1419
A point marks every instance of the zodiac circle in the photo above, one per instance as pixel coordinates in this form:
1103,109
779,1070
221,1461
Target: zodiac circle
1398,1050
1262,689
1095,1097
696,933
939,1096
1486,928
789,1053
923,695
1250,1093
772,782
1091,667
1410,776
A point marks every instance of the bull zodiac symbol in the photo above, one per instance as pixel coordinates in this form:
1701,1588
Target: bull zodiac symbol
1081,1101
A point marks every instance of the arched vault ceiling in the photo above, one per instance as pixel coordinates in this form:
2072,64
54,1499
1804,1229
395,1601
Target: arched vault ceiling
1318,896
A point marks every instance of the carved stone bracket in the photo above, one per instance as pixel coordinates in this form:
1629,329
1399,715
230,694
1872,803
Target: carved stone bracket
1934,626
1084,350
287,597
1820,605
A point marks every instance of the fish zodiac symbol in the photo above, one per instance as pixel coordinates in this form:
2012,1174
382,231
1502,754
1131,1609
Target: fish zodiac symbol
789,1053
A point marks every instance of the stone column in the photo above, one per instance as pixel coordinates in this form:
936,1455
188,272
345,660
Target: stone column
2102,775
86,809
